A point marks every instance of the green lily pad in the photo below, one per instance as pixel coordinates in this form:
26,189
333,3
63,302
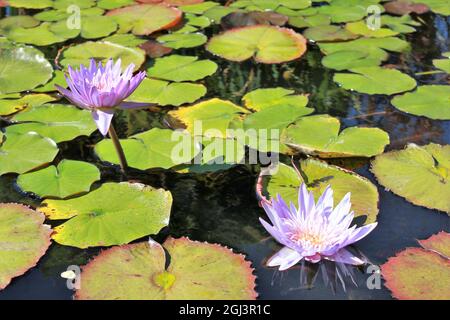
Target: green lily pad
443,64
286,182
267,44
145,19
43,35
113,4
58,79
319,135
194,23
17,61
63,14
10,106
361,28
215,116
9,23
115,213
24,239
375,80
437,6
418,274
403,24
181,68
93,27
419,174
328,33
64,4
165,93
58,122
216,13
67,179
155,148
24,152
102,51
343,60
344,13
309,21
198,8
182,40
431,101
439,243
30,4
197,270
126,40
261,99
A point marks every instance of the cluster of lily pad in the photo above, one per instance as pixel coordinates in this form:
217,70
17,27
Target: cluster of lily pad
275,31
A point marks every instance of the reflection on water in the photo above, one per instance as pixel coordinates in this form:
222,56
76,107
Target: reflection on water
222,207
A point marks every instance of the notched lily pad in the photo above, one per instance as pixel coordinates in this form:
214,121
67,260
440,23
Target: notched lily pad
260,99
267,44
421,174
197,270
100,219
10,106
24,239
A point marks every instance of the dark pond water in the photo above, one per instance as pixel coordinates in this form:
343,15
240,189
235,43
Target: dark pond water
222,207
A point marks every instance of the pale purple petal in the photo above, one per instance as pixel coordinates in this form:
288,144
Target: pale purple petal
103,119
346,257
276,234
285,258
359,233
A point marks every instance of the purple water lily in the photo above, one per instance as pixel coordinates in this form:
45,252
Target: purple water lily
313,231
101,89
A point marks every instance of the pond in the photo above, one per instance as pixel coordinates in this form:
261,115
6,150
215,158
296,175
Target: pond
219,204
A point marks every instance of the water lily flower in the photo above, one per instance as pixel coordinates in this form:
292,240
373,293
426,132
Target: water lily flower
313,231
101,89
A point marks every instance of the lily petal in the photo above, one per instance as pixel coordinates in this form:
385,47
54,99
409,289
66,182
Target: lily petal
103,119
346,257
285,258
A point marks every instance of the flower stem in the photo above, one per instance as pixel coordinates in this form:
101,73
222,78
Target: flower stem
118,147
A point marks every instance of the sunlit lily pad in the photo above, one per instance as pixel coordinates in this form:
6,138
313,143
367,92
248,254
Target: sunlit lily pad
56,121
431,101
403,24
181,68
361,28
343,60
319,135
20,153
155,148
260,99
375,80
64,4
215,116
22,60
10,106
145,19
182,40
68,178
197,270
116,213
328,33
267,44
443,64
419,174
58,79
166,93
64,14
364,195
113,4
30,4
309,21
418,274
102,51
43,35
172,2
93,27
344,13
126,40
24,239
11,22
198,8
439,243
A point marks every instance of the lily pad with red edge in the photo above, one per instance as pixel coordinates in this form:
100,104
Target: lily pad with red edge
197,271
439,243
420,274
401,7
23,240
145,19
172,2
267,44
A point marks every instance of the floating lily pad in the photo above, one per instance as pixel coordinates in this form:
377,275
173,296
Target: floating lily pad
10,106
403,24
58,79
197,270
11,22
181,68
344,13
24,239
431,101
437,6
102,51
116,213
64,4
267,44
309,21
155,148
343,60
375,80
194,23
172,2
63,14
286,182
145,19
93,27
56,121
419,174
43,35
418,274
68,178
17,61
24,152
182,40
30,4
165,93
439,243
328,33
198,8
215,116
260,99
402,7
113,4
126,40
443,64
361,28
319,135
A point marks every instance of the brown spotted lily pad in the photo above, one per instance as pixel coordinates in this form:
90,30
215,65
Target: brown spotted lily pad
420,274
23,240
197,270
